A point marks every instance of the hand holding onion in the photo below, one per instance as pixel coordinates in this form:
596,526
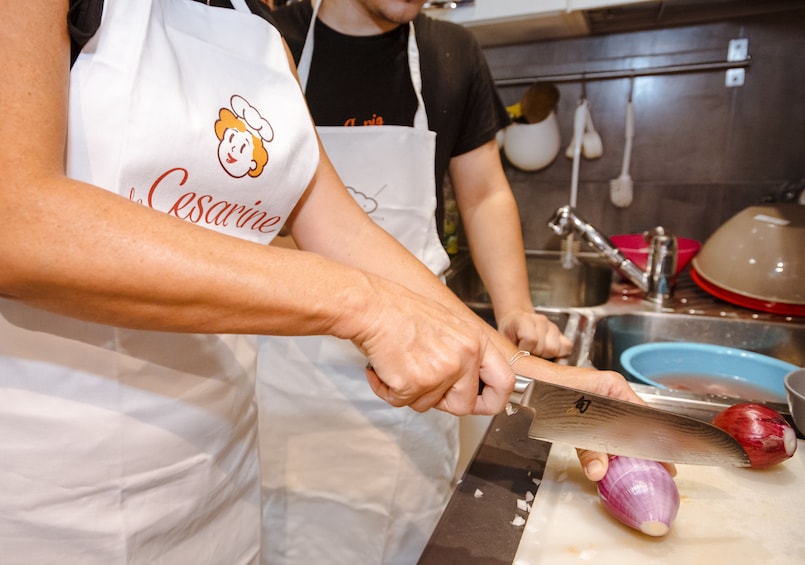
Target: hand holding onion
605,383
764,434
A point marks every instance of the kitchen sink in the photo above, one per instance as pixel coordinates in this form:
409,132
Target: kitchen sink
605,332
613,334
587,283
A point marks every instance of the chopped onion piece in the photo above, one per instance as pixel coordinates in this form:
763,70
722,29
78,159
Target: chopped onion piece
518,521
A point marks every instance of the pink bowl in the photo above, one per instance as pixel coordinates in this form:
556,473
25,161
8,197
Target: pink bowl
635,247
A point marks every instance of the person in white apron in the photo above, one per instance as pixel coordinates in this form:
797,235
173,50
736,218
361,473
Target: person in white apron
346,478
138,445
150,437
148,204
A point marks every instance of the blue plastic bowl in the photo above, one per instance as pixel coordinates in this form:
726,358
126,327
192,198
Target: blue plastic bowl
708,369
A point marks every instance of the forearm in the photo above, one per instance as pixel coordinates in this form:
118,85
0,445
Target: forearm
124,264
496,245
82,251
491,222
346,234
133,267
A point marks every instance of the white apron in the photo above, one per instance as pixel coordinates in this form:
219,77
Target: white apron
121,446
348,479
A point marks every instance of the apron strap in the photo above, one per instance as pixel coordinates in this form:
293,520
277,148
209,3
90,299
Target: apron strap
421,116
240,5
303,68
306,59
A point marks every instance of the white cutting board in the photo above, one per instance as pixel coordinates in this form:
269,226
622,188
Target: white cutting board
726,515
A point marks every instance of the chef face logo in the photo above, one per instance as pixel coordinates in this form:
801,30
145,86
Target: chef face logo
243,134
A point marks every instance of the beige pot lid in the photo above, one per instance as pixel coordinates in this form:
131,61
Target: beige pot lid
758,253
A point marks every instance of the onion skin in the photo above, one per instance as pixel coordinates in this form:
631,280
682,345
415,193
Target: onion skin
641,494
764,434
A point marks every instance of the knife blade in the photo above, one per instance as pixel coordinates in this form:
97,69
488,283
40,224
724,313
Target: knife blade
600,423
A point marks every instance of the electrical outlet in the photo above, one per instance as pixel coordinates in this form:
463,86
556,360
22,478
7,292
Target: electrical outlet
738,49
735,77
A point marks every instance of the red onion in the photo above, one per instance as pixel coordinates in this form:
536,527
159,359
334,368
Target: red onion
765,435
641,494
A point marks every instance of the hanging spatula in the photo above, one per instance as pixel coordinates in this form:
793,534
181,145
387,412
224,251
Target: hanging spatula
621,189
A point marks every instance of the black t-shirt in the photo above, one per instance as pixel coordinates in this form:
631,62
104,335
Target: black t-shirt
366,78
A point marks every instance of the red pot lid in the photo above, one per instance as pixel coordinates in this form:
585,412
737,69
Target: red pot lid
782,308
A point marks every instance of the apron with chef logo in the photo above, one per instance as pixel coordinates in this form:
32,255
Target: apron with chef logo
348,479
125,446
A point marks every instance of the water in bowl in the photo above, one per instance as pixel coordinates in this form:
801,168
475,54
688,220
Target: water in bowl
707,384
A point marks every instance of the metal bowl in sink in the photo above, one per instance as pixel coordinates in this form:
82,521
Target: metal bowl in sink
586,284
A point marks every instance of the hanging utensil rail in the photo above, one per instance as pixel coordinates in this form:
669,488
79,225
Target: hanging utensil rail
626,73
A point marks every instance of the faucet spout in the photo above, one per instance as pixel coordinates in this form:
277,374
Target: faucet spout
656,281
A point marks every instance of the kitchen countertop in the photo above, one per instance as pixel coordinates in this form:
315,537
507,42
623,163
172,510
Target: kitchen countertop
726,515
476,526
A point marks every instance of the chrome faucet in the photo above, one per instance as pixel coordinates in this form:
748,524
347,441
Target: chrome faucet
656,282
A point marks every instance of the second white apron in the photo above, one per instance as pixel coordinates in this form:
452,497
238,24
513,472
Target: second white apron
347,478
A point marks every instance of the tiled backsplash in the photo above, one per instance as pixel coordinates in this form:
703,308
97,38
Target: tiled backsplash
702,151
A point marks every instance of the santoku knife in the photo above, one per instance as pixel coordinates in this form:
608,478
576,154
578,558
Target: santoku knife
600,423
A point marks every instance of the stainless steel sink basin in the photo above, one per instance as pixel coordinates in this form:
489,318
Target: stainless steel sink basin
606,317
615,333
586,284
612,334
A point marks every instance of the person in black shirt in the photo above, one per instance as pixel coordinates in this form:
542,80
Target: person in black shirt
382,80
